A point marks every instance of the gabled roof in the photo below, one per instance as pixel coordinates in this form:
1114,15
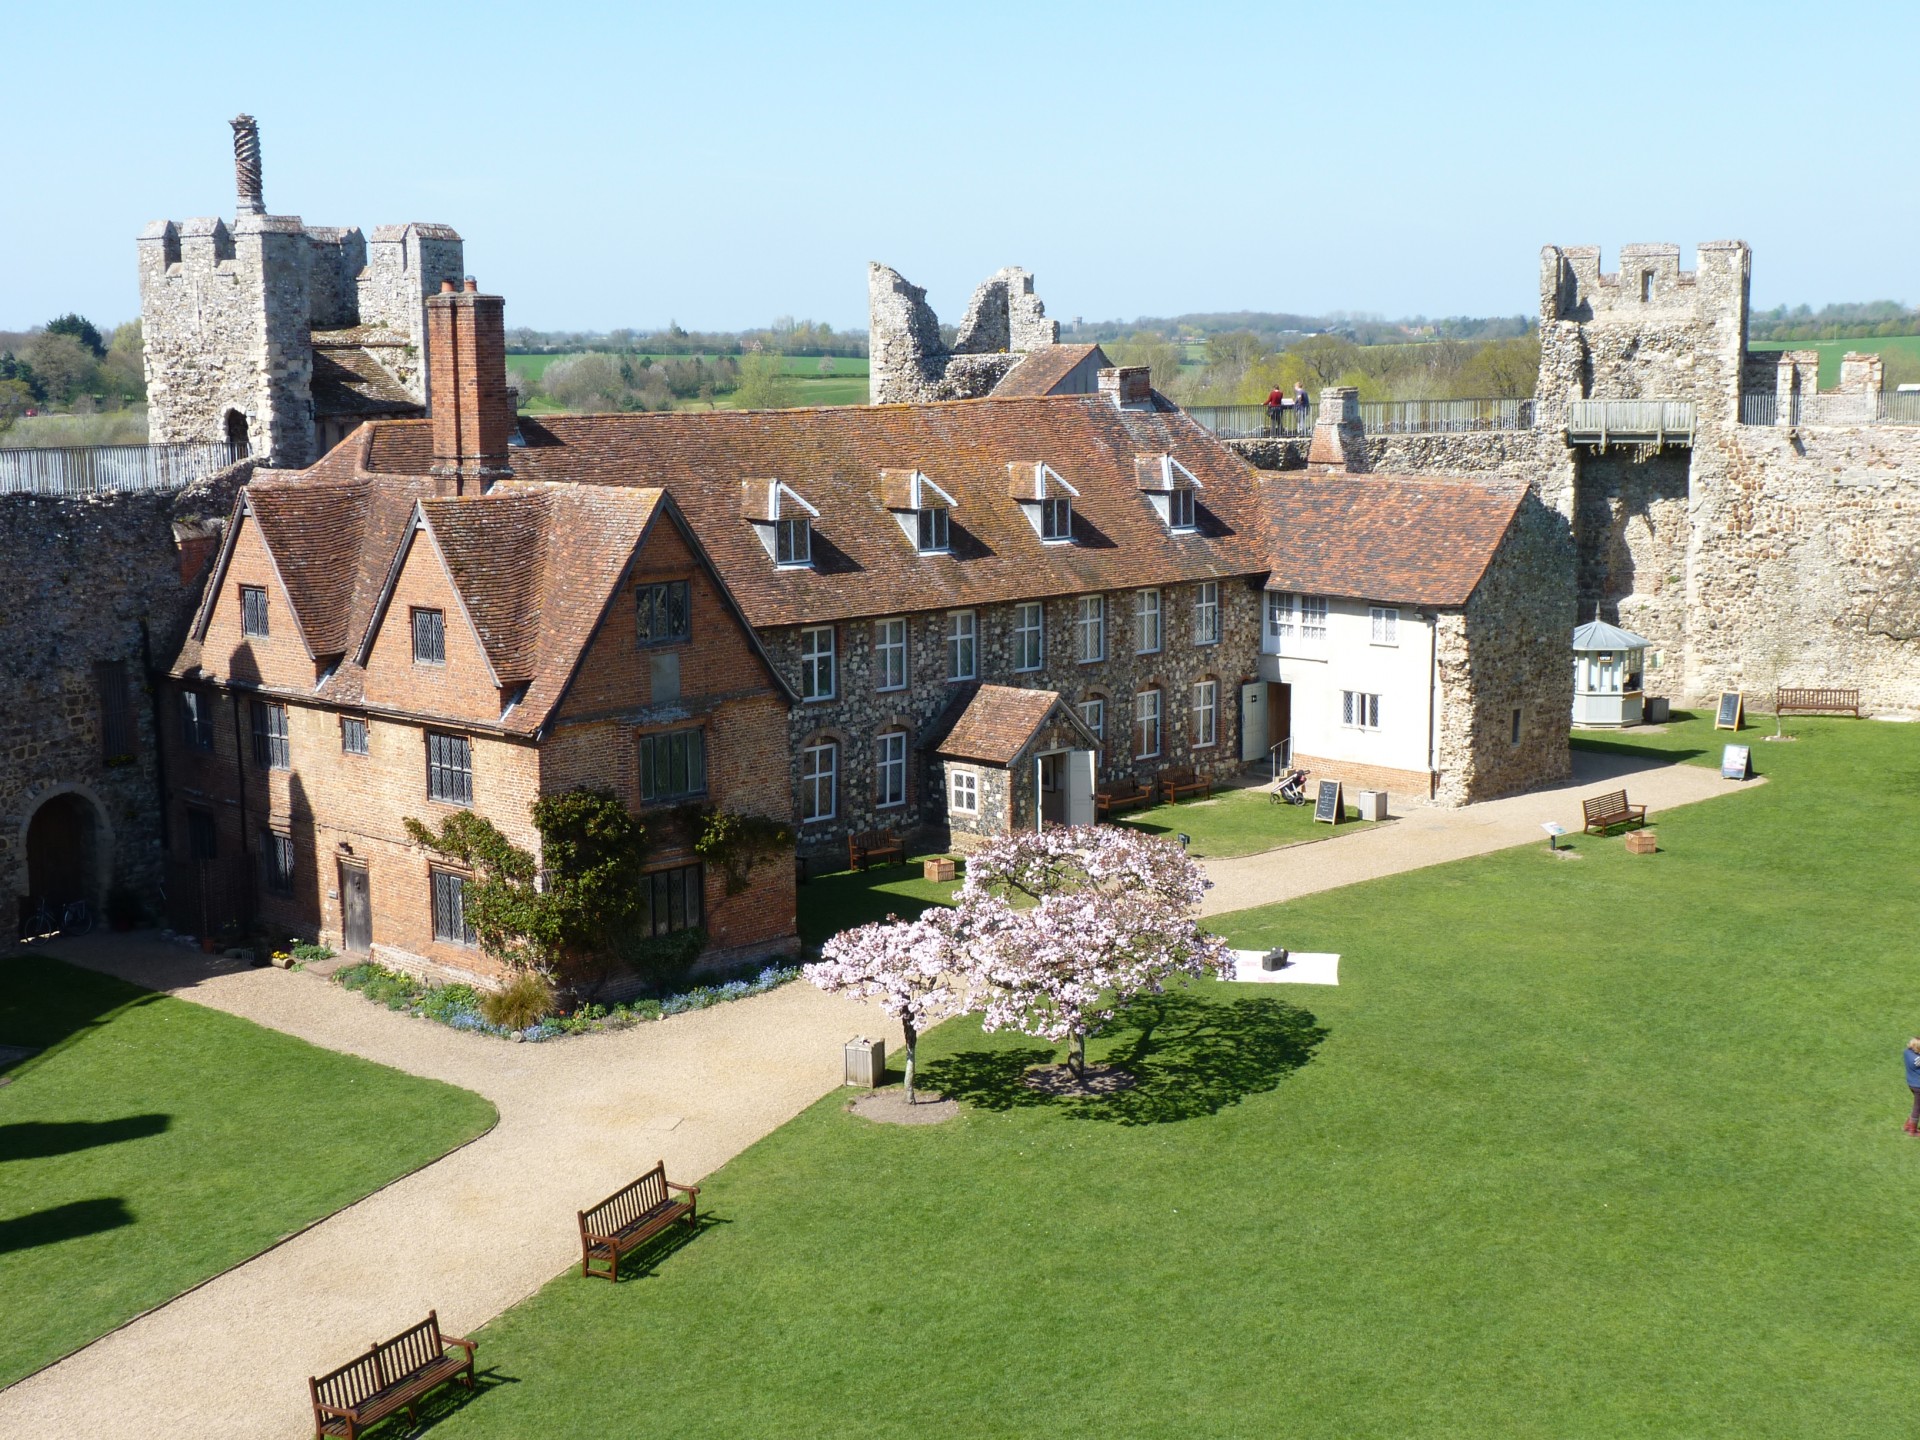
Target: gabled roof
1039,371
1413,541
863,565
999,722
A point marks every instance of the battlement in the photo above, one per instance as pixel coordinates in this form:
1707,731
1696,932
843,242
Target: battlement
1649,279
908,361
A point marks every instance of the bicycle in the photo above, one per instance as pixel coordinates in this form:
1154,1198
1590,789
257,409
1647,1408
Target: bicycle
75,918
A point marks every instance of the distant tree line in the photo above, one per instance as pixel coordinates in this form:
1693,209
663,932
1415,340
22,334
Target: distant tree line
1876,319
67,364
785,335
599,381
1279,330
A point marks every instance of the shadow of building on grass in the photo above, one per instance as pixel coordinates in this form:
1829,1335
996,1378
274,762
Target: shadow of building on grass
39,1139
1188,1056
63,1222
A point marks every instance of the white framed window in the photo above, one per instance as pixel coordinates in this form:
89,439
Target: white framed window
933,530
1180,509
1146,724
1385,623
963,792
1090,629
890,654
963,645
1280,614
793,542
1146,621
1206,613
1056,519
1029,635
1313,617
890,769
1094,713
1359,710
1206,713
816,663
819,781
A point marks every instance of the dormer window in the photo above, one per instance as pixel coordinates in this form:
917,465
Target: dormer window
933,530
782,519
921,508
793,542
1180,509
1045,497
1170,488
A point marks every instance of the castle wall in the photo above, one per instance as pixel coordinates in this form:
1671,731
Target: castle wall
1632,531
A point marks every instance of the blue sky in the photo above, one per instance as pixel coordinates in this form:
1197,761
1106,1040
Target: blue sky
720,165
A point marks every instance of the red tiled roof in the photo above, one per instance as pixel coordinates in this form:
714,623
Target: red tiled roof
863,563
1415,541
997,723
1040,370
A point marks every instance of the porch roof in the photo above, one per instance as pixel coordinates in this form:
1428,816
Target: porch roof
1001,720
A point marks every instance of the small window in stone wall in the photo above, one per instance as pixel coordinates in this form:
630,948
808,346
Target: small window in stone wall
964,793
1515,737
116,711
1094,713
253,610
890,770
1146,724
890,654
276,855
196,719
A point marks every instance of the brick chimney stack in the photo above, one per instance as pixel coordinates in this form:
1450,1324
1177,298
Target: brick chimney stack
1128,386
1339,443
467,393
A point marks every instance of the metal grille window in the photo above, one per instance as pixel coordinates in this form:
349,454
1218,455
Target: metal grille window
429,637
665,612
1146,621
116,711
276,854
816,663
963,794
253,610
1146,724
450,909
962,650
1206,613
449,768
793,542
203,837
1359,710
1206,713
270,748
1090,629
819,781
1029,635
933,530
1056,518
890,769
1180,509
1094,712
1385,622
890,654
196,719
673,764
671,900
353,735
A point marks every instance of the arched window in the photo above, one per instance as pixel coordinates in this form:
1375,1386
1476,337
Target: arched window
237,432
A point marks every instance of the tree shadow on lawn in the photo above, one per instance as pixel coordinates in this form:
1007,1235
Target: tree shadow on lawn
1189,1057
63,1222
39,1139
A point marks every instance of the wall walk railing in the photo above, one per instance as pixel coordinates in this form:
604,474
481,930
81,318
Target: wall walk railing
1900,407
1629,422
1377,417
98,469
1887,407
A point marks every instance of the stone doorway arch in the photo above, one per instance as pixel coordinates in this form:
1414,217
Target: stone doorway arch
237,432
68,847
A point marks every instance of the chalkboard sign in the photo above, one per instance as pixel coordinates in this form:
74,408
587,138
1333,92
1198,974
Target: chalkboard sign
1732,705
1736,762
1330,806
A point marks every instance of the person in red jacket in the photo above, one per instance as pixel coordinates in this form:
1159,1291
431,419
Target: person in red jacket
1274,401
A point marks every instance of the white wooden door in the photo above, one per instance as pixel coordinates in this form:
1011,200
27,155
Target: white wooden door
1253,720
1080,787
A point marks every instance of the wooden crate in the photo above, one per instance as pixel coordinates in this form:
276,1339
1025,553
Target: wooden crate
939,869
1641,842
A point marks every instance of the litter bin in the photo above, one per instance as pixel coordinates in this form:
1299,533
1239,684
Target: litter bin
866,1062
1373,804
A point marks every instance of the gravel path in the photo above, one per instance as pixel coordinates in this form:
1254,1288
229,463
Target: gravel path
470,1235
1421,836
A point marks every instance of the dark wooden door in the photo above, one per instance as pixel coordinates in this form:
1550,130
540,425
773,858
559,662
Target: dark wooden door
356,914
1279,713
1053,789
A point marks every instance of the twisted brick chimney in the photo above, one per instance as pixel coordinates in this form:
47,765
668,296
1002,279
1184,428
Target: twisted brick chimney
467,393
246,166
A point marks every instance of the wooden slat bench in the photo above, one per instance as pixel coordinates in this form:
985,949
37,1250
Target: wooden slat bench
1817,702
869,847
1127,795
631,1217
394,1375
1603,812
1177,784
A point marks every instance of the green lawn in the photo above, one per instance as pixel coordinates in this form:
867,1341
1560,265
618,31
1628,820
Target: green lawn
1832,350
1605,1146
154,1143
846,385
1235,822
832,903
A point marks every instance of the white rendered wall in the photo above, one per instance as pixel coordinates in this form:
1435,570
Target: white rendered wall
1401,674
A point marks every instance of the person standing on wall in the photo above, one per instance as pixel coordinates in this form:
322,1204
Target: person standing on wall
1274,401
1300,401
1910,1058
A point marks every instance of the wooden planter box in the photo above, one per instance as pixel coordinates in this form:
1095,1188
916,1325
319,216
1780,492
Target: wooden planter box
1641,842
941,869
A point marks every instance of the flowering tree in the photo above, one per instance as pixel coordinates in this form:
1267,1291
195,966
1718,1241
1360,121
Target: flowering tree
1111,918
908,966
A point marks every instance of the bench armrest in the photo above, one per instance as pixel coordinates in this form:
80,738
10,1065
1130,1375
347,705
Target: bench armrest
325,1409
465,1344
687,1189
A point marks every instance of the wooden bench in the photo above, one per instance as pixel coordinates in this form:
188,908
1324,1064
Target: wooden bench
1178,783
872,846
391,1376
1603,812
631,1217
1817,702
1128,795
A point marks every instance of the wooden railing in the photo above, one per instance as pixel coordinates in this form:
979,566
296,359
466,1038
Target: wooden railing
97,469
1629,422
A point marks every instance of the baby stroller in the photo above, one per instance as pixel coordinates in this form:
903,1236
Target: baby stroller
1292,789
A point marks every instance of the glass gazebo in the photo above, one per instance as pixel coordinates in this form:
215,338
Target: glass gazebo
1607,667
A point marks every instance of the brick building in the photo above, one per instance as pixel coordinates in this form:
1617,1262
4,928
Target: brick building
377,647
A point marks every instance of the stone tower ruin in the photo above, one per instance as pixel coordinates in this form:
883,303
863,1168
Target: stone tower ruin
281,336
909,361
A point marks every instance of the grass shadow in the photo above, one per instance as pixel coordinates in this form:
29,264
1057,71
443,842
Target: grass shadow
39,1139
442,1404
640,1262
63,1222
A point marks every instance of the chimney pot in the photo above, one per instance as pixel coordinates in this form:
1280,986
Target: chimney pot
473,286
446,287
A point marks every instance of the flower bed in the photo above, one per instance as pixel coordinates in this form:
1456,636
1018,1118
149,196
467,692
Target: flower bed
458,1005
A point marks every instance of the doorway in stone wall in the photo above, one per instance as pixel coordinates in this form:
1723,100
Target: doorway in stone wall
63,853
237,432
356,911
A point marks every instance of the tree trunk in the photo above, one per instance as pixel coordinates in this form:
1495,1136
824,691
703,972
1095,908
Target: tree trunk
1077,1055
913,1038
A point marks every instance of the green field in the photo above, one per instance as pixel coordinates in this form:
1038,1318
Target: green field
1605,1146
847,385
1907,346
154,1143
